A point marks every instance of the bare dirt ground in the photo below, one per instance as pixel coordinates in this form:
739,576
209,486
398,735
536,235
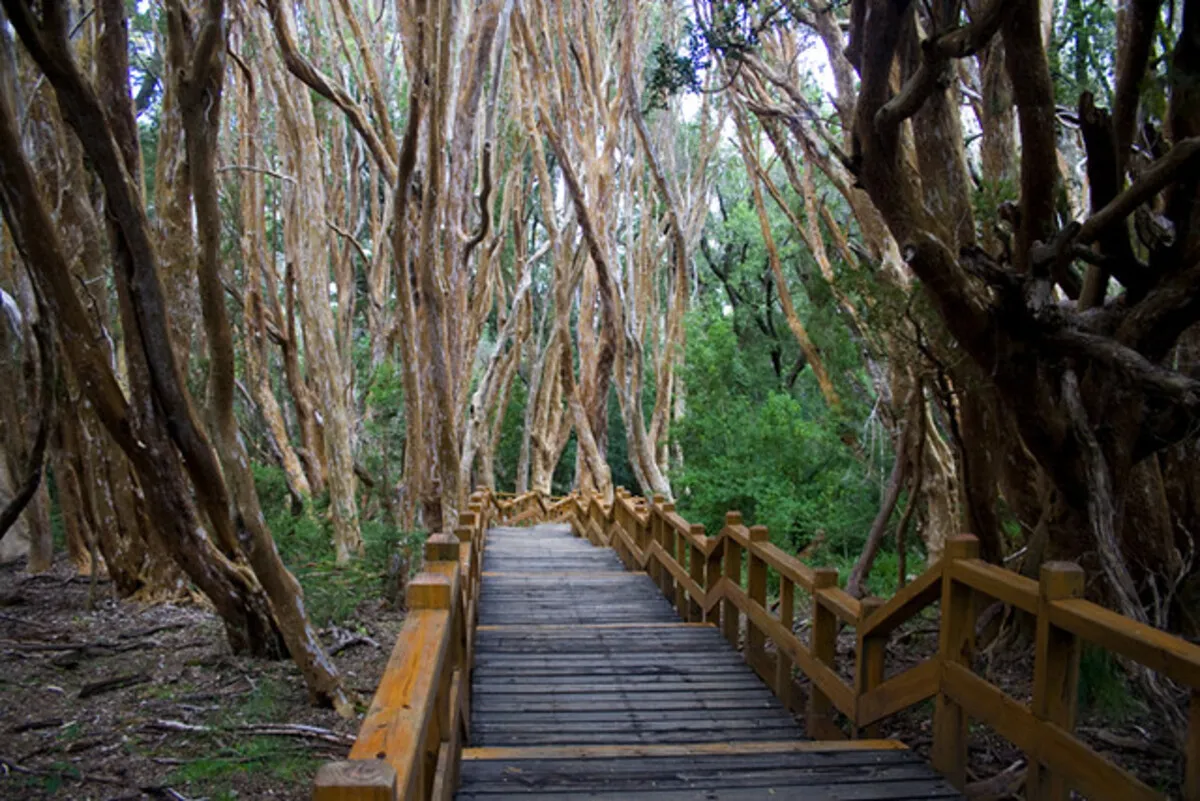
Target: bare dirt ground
133,701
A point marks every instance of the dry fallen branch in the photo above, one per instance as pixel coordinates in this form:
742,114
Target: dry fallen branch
272,729
114,683
8,766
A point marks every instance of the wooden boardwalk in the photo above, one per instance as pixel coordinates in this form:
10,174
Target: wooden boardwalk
586,684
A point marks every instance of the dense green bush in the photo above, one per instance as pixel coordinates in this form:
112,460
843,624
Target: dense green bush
305,541
753,446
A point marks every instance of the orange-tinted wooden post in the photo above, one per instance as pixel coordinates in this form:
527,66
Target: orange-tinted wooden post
756,588
783,664
730,623
822,643
680,554
712,578
666,534
355,780
868,668
956,641
655,536
696,567
1055,673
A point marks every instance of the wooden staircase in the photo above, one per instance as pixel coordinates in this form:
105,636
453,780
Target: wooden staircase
625,653
586,683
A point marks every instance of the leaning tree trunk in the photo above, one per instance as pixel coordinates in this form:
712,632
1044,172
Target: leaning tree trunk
305,219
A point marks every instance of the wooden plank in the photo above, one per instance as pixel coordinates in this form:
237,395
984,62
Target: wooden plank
756,590
996,582
1085,770
1055,673
682,580
680,750
355,780
1146,645
744,698
697,557
844,605
516,715
737,681
899,692
893,791
395,725
686,726
822,645
783,664
558,575
445,780
770,781
905,604
869,668
483,770
787,565
621,737
730,620
575,627
956,641
821,675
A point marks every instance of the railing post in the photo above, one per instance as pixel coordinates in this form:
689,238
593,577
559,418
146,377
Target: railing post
730,624
655,522
696,565
783,664
355,780
822,642
678,553
956,641
756,588
666,541
868,670
1055,673
712,577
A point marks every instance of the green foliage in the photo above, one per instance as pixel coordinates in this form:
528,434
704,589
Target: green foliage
508,450
669,72
762,450
229,751
332,592
1083,51
1104,686
384,424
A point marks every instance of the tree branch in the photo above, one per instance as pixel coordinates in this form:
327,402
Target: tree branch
960,42
44,338
1163,172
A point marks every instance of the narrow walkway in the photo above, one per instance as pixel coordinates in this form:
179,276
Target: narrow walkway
586,684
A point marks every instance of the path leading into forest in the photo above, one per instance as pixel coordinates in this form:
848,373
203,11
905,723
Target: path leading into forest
587,684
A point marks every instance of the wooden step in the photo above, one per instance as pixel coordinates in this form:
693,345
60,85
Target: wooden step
882,770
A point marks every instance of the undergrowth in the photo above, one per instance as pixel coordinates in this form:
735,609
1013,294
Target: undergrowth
332,592
229,751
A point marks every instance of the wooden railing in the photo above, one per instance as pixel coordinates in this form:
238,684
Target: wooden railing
723,580
410,742
515,510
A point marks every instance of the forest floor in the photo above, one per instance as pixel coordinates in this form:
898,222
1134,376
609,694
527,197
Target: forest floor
134,701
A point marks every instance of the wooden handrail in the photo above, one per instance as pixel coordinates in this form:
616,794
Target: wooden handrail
410,742
721,580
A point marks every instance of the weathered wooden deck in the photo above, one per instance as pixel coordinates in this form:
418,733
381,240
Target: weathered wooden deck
587,684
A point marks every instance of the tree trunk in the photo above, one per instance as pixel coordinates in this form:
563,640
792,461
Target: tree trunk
305,219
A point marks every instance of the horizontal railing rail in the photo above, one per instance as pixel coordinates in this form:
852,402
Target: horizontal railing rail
723,580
